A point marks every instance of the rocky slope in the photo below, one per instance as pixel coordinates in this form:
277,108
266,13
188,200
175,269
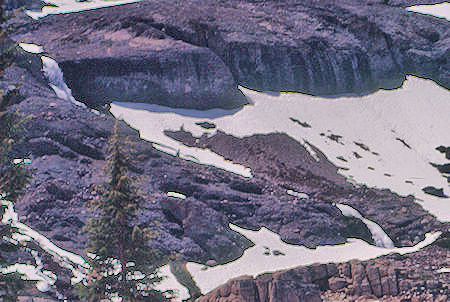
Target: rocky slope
133,52
397,216
27,4
66,143
171,56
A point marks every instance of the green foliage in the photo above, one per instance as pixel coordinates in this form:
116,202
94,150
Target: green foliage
13,177
122,263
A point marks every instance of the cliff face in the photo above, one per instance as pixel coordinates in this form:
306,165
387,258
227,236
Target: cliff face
102,65
188,78
27,4
315,47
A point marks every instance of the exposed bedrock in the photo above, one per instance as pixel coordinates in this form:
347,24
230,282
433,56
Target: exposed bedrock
401,218
197,50
188,77
27,4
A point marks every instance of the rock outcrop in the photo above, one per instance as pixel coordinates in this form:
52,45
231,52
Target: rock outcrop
66,143
295,169
134,52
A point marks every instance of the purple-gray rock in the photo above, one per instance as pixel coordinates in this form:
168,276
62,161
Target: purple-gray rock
196,51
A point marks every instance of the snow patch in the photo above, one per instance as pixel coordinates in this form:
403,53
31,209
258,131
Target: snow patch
416,113
152,124
443,270
66,259
176,195
69,6
31,273
379,236
298,194
170,282
254,262
31,48
441,10
17,161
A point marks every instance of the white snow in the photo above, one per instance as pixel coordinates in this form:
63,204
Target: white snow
170,282
255,262
66,259
300,195
31,48
441,10
151,120
176,195
31,273
68,6
55,78
17,161
416,113
379,236
444,270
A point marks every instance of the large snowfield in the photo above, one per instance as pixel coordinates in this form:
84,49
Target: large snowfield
398,129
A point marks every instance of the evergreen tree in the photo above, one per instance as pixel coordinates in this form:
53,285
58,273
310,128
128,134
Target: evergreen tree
122,264
13,176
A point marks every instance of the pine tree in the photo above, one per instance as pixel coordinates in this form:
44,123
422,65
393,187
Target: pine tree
13,176
122,264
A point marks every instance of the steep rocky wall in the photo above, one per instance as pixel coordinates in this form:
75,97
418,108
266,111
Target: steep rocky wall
315,47
27,4
320,47
188,79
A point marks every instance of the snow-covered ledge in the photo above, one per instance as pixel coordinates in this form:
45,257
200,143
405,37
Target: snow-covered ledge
441,10
270,254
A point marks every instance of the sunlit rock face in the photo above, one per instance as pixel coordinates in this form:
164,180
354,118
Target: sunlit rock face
133,52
